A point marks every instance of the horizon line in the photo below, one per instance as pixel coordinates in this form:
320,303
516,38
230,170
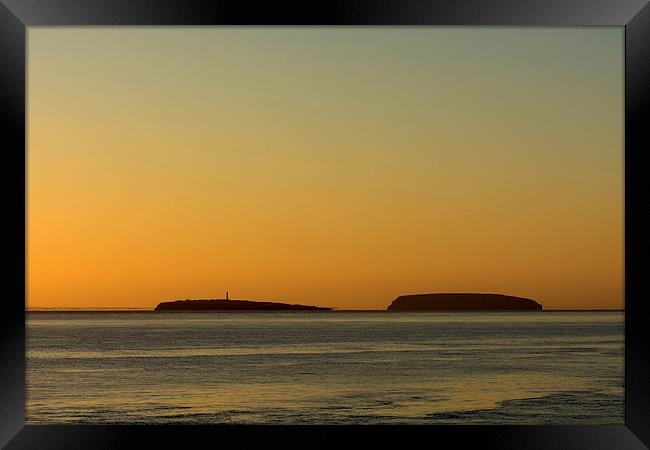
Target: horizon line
126,308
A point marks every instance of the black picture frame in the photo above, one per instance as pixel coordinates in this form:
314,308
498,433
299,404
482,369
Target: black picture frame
16,15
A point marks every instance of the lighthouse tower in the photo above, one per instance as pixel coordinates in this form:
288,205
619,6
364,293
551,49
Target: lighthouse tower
227,296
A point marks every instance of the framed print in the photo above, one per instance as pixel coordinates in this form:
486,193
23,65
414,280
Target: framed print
310,225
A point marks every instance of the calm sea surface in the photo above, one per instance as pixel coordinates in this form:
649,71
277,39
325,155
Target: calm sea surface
324,367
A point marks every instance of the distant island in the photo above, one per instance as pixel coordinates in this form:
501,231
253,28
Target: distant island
463,302
232,305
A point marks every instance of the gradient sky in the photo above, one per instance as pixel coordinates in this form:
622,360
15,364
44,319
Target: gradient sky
332,166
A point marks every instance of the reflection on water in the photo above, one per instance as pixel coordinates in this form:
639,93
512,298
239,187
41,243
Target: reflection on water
324,367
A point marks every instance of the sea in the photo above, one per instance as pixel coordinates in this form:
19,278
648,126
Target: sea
324,367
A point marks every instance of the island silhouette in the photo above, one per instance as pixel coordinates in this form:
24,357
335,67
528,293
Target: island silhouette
451,301
463,302
227,304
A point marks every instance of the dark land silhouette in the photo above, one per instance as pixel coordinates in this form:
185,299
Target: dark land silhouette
232,305
463,302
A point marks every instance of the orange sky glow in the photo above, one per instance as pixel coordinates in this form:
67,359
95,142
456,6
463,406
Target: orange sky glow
329,166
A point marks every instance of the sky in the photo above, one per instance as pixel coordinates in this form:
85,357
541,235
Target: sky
334,166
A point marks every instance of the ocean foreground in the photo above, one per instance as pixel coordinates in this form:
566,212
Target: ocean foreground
342,367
